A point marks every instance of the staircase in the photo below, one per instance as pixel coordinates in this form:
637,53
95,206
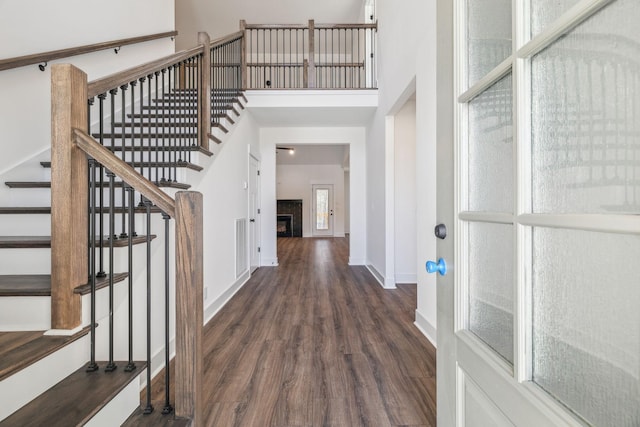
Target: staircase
44,378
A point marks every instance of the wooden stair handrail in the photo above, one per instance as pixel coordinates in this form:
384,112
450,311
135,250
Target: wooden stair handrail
36,58
373,26
112,81
121,169
226,39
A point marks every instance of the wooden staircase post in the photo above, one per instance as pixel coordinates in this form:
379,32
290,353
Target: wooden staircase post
189,307
311,71
204,92
243,54
69,215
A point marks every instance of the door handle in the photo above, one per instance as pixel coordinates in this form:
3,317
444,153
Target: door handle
331,212
440,267
252,220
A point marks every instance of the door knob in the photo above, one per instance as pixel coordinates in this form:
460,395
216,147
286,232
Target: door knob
440,267
252,220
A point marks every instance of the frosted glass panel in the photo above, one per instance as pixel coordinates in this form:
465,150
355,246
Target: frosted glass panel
586,323
491,149
586,117
322,209
491,285
489,35
544,12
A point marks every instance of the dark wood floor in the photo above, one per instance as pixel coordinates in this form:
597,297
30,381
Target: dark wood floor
315,342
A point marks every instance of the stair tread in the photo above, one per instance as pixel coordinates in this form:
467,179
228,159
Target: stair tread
155,419
180,164
47,184
34,285
25,285
13,210
76,399
21,349
13,242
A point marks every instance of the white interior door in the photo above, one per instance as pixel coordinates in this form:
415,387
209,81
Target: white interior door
539,184
322,209
254,212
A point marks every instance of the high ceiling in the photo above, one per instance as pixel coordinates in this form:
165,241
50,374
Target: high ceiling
221,17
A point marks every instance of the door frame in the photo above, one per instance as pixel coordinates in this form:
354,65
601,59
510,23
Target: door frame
253,236
314,231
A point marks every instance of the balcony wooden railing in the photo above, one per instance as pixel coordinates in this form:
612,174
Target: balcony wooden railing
313,56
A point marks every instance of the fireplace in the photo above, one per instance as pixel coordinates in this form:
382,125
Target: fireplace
285,225
289,214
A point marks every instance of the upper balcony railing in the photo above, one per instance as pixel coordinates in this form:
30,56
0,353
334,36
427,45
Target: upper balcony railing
313,56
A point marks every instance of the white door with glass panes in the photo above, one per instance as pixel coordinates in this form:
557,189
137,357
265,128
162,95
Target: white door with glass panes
539,186
322,209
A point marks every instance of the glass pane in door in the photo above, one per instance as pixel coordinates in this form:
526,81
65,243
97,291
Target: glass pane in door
491,149
586,117
322,209
586,322
544,12
488,36
491,285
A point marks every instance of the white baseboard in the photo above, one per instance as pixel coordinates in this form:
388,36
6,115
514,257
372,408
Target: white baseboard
356,261
269,262
407,278
219,302
379,277
427,329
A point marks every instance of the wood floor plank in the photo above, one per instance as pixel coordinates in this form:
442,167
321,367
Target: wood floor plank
316,342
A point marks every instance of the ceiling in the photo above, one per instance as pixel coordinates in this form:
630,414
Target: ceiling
312,116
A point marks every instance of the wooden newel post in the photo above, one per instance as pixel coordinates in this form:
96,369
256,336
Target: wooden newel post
189,306
204,92
311,80
243,54
69,214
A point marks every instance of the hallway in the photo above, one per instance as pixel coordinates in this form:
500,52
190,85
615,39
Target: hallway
315,342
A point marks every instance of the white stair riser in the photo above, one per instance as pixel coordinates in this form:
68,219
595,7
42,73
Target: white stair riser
25,225
25,313
25,261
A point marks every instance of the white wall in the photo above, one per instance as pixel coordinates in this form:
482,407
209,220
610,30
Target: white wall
225,199
405,194
295,181
220,17
41,25
355,138
406,52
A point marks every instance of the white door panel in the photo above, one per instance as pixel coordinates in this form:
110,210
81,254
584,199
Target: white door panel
539,185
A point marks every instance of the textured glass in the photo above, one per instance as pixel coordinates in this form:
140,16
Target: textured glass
491,149
322,209
586,117
491,285
586,323
544,12
489,35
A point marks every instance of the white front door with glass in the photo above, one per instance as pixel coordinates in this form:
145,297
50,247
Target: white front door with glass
545,327
322,209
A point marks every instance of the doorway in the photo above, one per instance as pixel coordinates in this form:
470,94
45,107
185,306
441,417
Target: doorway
254,213
322,209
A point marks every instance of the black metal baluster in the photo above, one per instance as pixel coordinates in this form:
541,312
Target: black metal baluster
149,408
157,117
167,405
111,366
142,127
123,234
93,366
175,124
101,272
89,105
164,148
149,77
131,366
